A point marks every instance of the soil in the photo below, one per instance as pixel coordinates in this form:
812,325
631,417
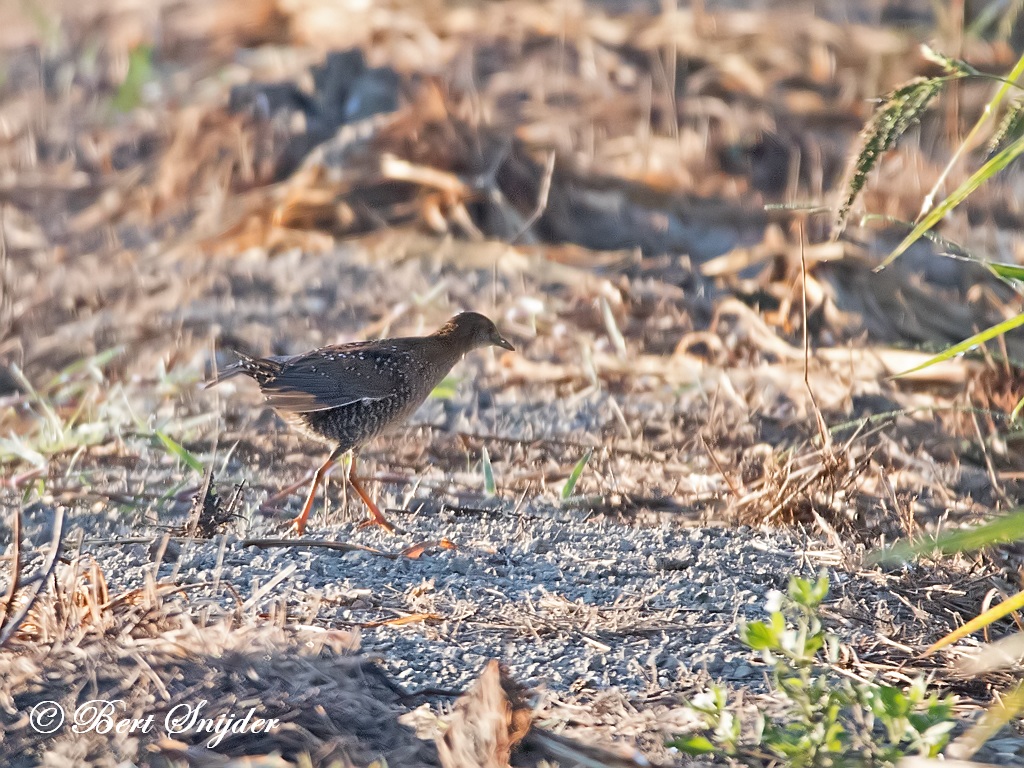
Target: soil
620,189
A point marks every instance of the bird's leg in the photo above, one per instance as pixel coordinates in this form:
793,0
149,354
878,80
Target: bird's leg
376,517
299,523
272,501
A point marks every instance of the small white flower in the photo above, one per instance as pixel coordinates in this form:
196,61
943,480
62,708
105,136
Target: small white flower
704,701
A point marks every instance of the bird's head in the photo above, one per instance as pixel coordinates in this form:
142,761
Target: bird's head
471,330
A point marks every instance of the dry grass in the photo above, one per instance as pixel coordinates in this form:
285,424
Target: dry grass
597,183
146,651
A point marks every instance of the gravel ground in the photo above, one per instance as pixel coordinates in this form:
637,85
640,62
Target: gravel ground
608,616
617,608
570,605
685,378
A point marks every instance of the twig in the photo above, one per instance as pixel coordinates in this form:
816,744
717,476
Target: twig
199,503
265,589
826,437
44,574
542,199
718,466
7,288
12,588
989,466
572,752
397,169
339,546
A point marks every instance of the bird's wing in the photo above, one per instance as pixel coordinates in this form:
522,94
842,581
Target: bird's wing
334,377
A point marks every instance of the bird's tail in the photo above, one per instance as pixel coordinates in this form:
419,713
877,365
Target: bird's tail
260,368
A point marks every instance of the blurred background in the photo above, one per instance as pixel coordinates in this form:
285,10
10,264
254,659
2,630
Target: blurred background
642,195
645,196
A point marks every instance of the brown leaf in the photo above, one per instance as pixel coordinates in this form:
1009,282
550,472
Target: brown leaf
487,724
414,551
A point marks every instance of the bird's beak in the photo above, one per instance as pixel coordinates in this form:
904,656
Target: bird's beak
500,341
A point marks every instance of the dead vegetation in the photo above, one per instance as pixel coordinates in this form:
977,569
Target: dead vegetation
303,172
143,651
68,643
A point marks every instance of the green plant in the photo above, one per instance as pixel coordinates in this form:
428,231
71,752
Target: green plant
574,476
66,414
901,109
79,408
447,389
826,719
178,451
490,487
1007,528
1005,146
140,73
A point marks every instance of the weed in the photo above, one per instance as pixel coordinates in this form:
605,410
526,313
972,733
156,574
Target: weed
490,488
62,416
574,476
826,720
78,409
900,109
129,94
447,389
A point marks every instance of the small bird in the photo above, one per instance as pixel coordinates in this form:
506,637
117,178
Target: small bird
347,394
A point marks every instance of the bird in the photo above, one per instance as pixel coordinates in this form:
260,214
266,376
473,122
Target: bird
347,394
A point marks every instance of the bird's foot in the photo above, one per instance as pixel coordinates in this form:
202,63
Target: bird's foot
297,525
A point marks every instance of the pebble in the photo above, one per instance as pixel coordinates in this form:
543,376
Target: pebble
565,603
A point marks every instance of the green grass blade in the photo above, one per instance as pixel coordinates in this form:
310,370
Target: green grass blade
489,486
995,164
939,212
446,389
1011,274
180,452
979,338
999,531
55,422
96,362
612,328
1008,271
1016,409
991,616
574,476
140,72
950,248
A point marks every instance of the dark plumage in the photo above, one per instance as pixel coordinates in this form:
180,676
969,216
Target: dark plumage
348,394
